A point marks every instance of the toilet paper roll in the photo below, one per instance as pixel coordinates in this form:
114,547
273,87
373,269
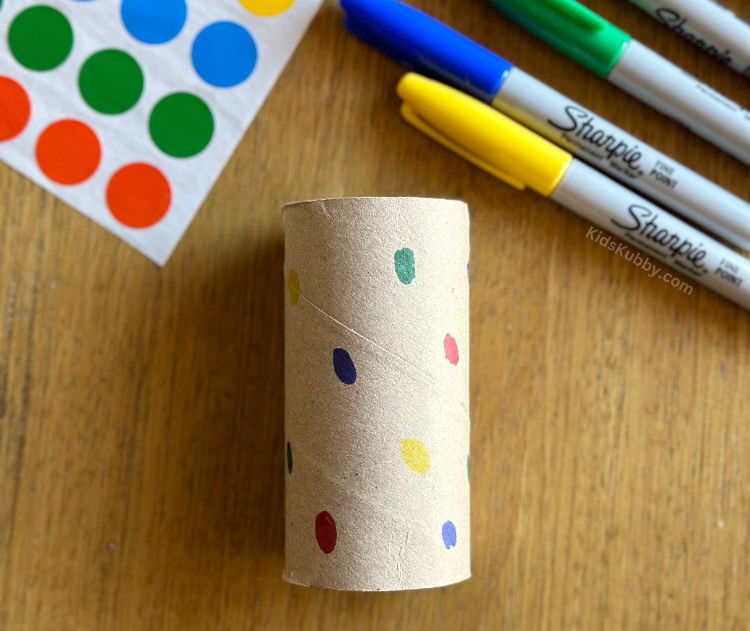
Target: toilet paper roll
377,393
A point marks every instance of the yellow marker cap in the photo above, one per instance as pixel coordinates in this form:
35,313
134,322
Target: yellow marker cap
482,135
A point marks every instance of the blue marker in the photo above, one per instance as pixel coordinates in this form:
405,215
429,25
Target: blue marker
428,47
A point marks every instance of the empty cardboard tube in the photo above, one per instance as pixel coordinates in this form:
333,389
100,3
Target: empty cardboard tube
377,393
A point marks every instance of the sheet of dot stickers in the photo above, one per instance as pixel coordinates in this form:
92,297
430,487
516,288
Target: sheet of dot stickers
129,109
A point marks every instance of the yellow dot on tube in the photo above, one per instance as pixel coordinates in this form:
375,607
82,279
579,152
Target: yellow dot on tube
293,287
415,455
267,7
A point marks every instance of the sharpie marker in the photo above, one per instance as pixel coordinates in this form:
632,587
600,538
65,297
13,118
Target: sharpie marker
509,151
428,47
612,53
712,28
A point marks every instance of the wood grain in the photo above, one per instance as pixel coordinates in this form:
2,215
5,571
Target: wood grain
141,432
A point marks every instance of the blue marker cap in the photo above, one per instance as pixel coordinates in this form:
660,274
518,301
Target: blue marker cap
426,46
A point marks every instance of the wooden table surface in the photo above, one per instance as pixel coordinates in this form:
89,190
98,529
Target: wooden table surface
141,409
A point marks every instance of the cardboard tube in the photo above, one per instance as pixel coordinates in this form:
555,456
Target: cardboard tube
377,393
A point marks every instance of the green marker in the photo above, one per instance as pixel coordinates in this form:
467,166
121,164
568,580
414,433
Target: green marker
611,53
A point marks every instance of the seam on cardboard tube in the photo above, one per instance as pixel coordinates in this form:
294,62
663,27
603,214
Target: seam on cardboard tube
376,345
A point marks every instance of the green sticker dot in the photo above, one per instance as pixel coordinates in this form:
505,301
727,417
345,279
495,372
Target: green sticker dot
111,81
404,261
289,462
181,125
40,38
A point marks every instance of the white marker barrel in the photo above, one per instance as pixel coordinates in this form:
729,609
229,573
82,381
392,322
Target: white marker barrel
663,238
671,90
623,156
712,28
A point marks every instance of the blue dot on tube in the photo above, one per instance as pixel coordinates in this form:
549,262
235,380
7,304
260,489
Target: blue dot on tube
449,535
154,21
343,366
224,54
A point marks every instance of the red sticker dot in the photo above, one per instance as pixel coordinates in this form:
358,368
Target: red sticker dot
138,195
451,349
15,109
68,152
325,531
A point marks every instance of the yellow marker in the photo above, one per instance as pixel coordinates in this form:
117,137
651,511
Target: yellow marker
415,455
509,151
482,135
293,287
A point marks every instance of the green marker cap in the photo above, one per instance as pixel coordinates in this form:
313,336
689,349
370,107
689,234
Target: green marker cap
572,29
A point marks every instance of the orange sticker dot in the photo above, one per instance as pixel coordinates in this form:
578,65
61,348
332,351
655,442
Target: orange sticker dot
138,195
15,109
68,152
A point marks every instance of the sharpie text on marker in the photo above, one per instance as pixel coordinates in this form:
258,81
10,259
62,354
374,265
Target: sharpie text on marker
582,124
646,225
704,23
676,23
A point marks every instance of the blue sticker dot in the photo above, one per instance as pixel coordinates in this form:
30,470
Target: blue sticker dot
224,54
154,21
344,366
449,535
